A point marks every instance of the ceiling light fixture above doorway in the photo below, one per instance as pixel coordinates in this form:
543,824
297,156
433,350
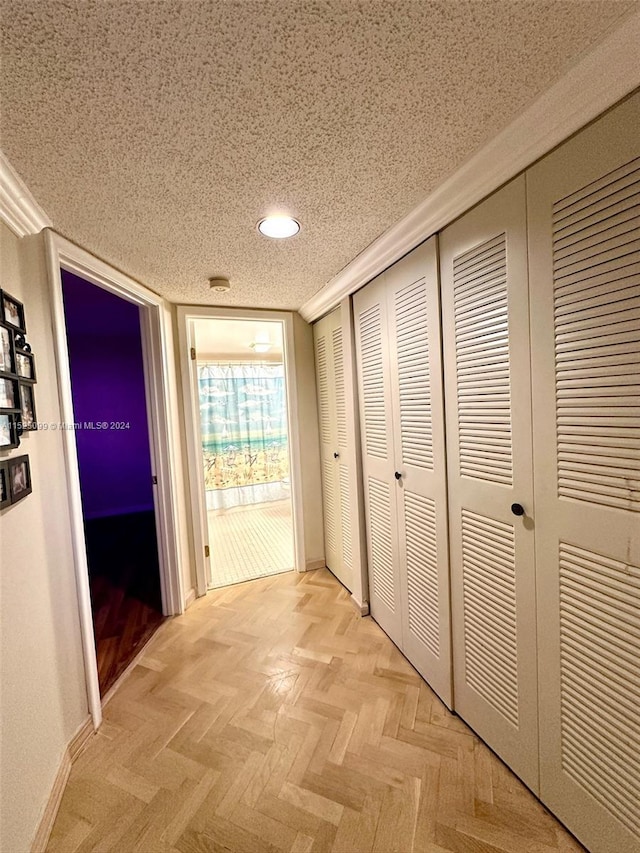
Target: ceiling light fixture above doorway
279,226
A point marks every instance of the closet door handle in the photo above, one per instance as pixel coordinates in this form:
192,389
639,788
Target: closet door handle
517,509
336,455
398,475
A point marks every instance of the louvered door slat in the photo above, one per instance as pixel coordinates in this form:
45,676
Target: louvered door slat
382,568
339,389
606,322
583,755
625,173
594,233
323,389
481,334
413,375
345,518
598,200
422,569
330,510
594,306
624,227
372,382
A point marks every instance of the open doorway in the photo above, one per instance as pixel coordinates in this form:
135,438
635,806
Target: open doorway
104,342
245,448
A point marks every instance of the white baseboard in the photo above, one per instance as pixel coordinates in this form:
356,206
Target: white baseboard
311,565
363,609
191,597
73,750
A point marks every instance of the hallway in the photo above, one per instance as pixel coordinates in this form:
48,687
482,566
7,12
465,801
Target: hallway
270,717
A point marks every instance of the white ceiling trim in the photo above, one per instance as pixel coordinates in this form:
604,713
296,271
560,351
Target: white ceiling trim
18,208
599,80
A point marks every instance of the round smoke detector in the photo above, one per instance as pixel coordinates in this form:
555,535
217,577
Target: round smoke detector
220,285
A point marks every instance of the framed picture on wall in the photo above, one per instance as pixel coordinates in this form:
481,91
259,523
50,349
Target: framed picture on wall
25,365
5,495
27,407
7,350
19,478
12,311
9,436
9,395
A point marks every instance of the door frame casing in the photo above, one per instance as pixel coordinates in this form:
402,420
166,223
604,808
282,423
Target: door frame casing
61,254
187,314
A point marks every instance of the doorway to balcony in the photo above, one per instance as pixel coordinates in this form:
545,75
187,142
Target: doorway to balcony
244,442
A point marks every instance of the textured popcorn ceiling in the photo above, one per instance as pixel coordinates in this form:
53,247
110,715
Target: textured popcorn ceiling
156,134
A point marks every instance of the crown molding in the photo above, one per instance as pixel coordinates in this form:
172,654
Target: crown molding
595,83
18,208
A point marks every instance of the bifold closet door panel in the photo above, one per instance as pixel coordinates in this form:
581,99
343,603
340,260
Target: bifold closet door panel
326,414
345,457
483,263
335,457
584,243
413,308
378,464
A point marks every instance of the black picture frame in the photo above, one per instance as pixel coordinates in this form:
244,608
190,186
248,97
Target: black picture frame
9,393
19,478
20,342
7,351
25,359
28,417
5,494
9,432
12,311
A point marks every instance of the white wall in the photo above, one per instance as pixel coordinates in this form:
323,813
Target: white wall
309,441
43,700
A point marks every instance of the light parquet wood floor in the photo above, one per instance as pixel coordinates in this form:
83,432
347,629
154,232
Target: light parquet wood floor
271,717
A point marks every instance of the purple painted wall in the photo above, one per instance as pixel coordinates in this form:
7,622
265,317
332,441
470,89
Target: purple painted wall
107,381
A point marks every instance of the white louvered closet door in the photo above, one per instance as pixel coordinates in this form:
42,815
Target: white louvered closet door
415,366
487,378
378,464
344,569
584,238
334,451
326,407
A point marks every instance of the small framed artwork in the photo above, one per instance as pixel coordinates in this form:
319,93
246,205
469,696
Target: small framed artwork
25,365
8,432
7,350
19,478
12,311
5,495
27,407
9,395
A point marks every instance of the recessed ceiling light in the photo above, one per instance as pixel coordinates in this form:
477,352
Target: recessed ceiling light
278,227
